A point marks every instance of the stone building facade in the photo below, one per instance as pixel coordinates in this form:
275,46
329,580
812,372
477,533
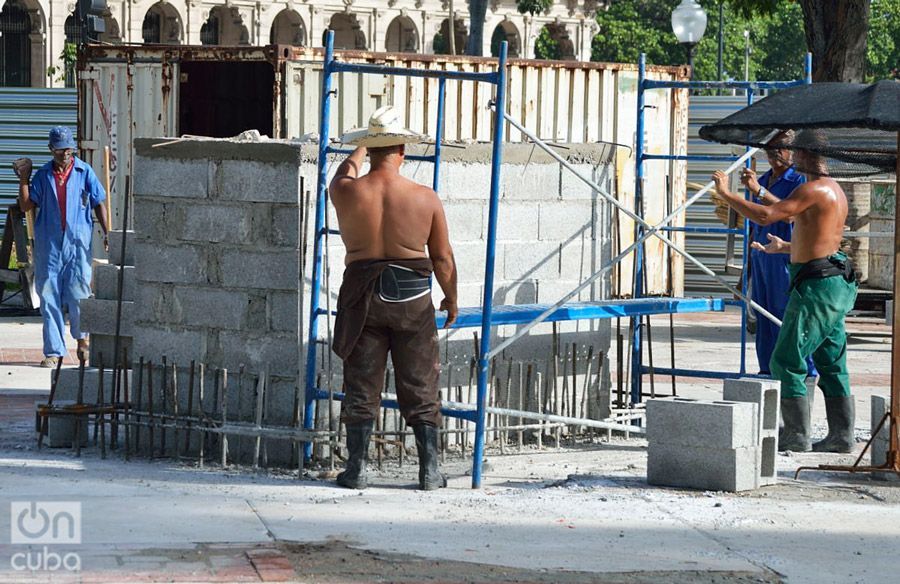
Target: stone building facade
34,33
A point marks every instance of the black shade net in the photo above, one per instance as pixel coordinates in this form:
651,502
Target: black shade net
852,127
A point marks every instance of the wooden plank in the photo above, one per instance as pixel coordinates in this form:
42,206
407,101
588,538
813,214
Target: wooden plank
625,128
546,103
609,105
579,100
593,108
530,93
515,105
679,125
467,104
563,105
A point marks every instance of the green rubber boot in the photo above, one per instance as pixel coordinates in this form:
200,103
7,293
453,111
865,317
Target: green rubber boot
841,413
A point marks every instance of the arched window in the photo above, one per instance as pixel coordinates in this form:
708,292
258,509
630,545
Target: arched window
15,46
209,32
162,25
73,39
402,36
553,42
288,29
225,26
348,32
506,31
441,42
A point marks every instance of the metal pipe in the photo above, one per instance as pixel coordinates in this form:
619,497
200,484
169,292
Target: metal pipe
488,307
653,231
638,264
339,67
565,420
439,133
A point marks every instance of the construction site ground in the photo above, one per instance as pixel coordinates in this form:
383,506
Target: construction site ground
573,513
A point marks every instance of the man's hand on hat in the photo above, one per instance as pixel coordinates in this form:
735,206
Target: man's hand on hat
23,168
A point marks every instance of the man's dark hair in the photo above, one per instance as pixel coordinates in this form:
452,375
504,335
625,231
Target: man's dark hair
382,151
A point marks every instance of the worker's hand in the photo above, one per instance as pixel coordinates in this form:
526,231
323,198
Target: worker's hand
721,180
775,245
23,168
749,180
452,311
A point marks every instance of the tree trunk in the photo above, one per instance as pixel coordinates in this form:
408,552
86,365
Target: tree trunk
836,37
477,13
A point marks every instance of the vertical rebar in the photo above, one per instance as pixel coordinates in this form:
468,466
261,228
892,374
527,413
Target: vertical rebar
176,435
127,401
540,408
139,399
190,408
224,436
164,409
151,421
201,386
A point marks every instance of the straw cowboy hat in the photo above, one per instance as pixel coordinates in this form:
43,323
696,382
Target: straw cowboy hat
385,129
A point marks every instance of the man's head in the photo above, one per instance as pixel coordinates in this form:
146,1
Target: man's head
811,160
780,157
397,152
62,145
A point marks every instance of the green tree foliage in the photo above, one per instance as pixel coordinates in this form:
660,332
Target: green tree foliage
778,46
545,46
533,7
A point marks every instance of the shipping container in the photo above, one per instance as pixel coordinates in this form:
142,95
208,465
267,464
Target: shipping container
126,92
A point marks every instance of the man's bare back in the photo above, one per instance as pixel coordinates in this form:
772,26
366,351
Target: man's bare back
384,215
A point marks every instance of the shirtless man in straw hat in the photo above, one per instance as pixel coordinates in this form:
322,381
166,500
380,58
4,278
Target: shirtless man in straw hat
385,305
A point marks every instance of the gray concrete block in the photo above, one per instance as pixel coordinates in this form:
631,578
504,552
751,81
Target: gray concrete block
106,282
115,247
284,230
465,181
283,309
889,312
67,387
61,430
562,220
573,188
215,308
182,264
151,218
272,270
178,344
881,405
534,260
466,220
99,316
764,393
217,224
103,348
710,469
534,182
170,177
470,260
518,222
252,181
278,352
702,423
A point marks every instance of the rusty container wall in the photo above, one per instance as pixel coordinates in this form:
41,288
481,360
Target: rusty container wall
131,92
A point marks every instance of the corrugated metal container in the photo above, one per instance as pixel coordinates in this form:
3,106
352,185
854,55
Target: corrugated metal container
155,91
26,116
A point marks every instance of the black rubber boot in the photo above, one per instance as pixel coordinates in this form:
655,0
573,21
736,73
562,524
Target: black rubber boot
841,412
794,436
354,475
430,478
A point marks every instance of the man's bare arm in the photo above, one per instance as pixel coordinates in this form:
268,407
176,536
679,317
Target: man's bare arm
800,200
348,170
25,202
441,254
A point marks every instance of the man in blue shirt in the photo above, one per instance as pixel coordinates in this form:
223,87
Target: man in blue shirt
64,191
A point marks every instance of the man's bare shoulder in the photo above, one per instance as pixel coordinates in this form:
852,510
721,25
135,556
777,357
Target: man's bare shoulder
819,187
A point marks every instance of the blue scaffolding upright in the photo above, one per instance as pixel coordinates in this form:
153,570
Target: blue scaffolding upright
638,369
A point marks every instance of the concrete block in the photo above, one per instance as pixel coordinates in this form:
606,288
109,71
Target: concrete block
534,260
215,308
99,316
106,282
562,220
169,177
284,230
115,247
182,264
465,181
573,188
178,344
272,270
103,346
252,181
881,405
710,469
518,222
534,182
466,220
766,395
216,224
702,423
279,352
151,219
283,309
67,387
61,430
889,312
416,170
470,260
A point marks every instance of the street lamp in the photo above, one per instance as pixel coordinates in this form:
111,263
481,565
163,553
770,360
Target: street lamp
689,24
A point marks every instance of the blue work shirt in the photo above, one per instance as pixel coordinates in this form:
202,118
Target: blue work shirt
781,188
55,249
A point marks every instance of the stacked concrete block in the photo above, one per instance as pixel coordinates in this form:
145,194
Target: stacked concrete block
766,394
881,405
703,444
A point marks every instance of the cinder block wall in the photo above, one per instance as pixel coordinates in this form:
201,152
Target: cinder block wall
217,255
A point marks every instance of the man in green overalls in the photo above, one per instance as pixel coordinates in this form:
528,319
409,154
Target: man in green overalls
823,290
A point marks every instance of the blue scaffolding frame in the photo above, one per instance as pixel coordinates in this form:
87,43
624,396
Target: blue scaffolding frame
485,316
751,87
